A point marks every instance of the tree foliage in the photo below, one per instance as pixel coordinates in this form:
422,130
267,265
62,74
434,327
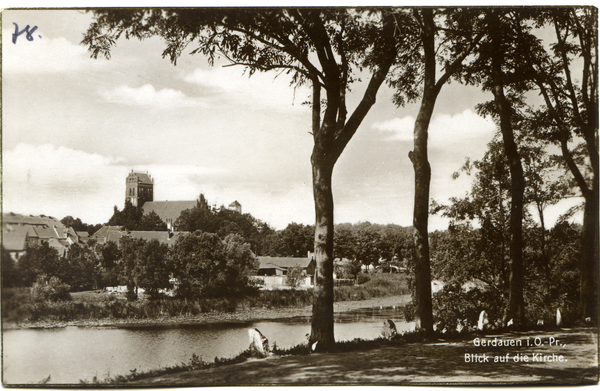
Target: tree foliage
78,225
80,268
39,259
296,240
133,218
294,276
464,254
205,265
153,268
225,222
567,78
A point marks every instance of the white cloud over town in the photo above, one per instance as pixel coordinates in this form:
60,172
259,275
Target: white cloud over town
461,128
149,96
56,181
41,55
262,90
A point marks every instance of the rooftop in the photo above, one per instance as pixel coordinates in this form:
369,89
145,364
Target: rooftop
168,210
283,262
142,177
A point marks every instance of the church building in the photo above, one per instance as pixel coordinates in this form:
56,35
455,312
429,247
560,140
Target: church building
139,190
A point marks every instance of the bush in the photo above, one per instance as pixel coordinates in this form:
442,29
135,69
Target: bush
362,278
453,305
409,312
294,276
378,285
52,289
280,298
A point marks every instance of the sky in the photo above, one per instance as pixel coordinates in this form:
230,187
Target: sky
73,127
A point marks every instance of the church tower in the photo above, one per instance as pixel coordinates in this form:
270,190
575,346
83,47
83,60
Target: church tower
139,188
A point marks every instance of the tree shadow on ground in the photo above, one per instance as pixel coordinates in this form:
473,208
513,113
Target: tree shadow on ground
421,363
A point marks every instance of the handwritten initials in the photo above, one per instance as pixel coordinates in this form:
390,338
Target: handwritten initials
25,30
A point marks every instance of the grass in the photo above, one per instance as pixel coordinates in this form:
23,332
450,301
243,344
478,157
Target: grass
378,285
196,363
18,305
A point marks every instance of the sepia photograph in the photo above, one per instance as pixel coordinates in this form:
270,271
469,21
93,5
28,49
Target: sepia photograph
300,195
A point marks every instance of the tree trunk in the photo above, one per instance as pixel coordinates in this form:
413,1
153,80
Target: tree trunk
515,299
330,139
589,257
423,305
322,314
515,310
419,159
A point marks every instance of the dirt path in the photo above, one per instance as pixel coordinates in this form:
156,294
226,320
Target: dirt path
568,356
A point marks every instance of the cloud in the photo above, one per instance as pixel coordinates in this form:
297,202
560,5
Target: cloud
444,129
148,96
401,129
61,181
41,55
259,90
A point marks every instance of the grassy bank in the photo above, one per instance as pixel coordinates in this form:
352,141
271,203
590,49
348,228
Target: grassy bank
196,363
18,305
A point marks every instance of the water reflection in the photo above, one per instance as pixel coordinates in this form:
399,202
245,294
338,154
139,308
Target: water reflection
73,353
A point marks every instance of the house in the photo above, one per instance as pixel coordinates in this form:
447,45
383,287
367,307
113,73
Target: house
278,266
84,236
108,233
21,231
272,271
15,241
235,206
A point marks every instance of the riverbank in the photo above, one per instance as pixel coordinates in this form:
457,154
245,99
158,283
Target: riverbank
566,356
240,315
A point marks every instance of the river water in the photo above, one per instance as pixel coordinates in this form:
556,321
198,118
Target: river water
71,354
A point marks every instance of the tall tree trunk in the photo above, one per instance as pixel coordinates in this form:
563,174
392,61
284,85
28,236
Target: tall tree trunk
589,256
418,157
515,310
330,139
322,313
423,305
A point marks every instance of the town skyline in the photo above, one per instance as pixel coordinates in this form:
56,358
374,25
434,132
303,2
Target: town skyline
74,127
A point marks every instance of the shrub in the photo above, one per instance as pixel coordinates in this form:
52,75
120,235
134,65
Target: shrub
453,304
294,276
52,289
362,278
409,312
378,285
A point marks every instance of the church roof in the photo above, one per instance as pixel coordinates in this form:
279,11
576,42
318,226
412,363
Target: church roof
234,204
168,210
